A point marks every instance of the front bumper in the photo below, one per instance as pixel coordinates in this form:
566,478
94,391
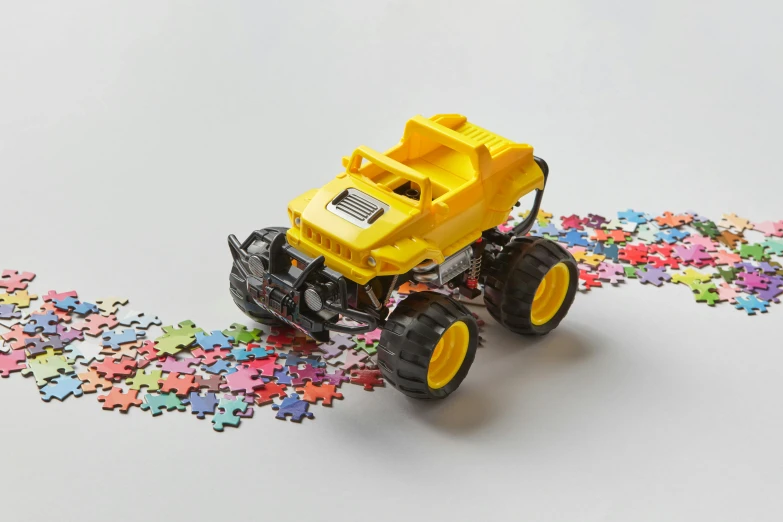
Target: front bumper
279,285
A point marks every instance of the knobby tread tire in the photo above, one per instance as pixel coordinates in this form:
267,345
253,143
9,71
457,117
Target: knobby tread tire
409,338
512,281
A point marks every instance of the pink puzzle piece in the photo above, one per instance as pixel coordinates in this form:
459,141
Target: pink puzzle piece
245,380
170,364
727,293
13,361
370,338
12,280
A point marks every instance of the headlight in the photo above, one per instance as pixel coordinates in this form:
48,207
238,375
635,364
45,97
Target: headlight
313,299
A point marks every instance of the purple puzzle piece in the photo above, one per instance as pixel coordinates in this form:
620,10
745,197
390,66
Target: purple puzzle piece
750,282
336,378
68,334
652,275
770,294
611,272
595,221
41,324
200,405
294,407
170,364
37,346
9,311
282,376
306,373
329,350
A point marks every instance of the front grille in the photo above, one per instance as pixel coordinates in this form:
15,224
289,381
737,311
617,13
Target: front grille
327,243
357,207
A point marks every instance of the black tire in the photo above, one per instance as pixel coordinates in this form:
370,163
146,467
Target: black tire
511,283
410,336
238,283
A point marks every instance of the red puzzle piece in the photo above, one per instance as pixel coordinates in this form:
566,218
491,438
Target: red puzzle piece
114,369
367,378
270,389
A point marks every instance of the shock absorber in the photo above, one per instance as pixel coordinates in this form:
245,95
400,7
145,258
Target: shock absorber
470,288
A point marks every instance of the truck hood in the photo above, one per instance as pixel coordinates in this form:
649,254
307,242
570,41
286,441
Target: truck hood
352,222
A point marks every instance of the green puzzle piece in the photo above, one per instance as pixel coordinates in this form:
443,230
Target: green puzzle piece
706,228
362,345
227,413
755,252
728,274
149,379
46,367
242,334
705,293
158,402
177,338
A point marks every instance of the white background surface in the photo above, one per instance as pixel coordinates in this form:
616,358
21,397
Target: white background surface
135,136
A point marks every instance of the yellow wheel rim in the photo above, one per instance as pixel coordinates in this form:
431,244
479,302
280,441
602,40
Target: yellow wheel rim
550,294
448,355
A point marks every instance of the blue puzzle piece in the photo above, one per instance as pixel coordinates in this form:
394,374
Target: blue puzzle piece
62,387
41,324
218,367
550,230
751,305
242,354
282,376
216,339
631,216
575,238
671,235
71,304
292,406
113,339
292,359
200,405
610,251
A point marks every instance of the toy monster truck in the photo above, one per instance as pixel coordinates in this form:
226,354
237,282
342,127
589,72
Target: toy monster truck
426,211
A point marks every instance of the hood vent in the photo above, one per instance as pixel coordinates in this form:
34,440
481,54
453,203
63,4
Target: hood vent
357,207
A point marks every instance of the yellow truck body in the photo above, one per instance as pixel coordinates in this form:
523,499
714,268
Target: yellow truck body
428,197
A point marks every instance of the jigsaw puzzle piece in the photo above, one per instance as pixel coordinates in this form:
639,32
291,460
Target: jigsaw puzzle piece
229,409
293,407
242,334
116,398
62,387
202,405
158,403
14,281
